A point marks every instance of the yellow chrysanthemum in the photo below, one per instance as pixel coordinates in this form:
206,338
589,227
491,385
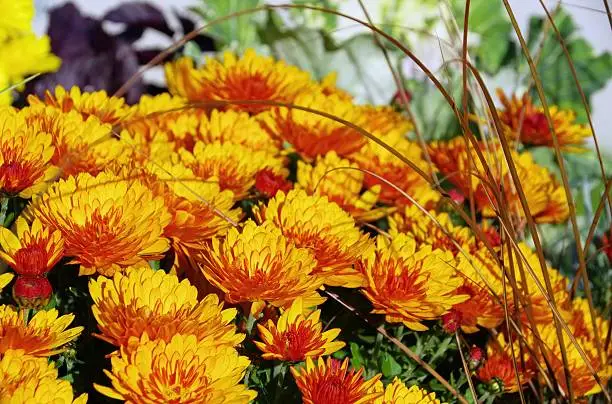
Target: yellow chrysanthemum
313,135
396,392
581,324
331,382
32,251
527,123
44,334
297,336
323,227
182,370
234,165
156,303
151,114
260,265
385,119
342,183
138,150
5,279
250,77
80,145
25,379
108,109
409,284
25,156
108,223
19,15
375,158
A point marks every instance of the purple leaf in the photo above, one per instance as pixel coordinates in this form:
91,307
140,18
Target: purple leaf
139,14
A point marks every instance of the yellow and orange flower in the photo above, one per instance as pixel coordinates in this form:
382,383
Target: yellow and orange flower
28,379
153,113
25,156
582,326
181,370
331,382
342,182
396,392
297,336
249,78
45,334
156,303
408,284
32,251
323,227
385,119
313,135
107,222
258,264
234,165
375,158
138,150
109,110
80,145
525,122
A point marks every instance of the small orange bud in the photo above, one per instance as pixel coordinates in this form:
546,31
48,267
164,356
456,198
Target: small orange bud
269,183
32,291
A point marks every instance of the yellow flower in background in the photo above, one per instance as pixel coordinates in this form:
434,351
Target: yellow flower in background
108,223
525,122
45,334
408,284
582,326
332,382
342,183
18,17
28,379
249,77
321,226
233,165
181,370
313,135
107,109
5,279
153,302
25,156
396,392
297,336
32,250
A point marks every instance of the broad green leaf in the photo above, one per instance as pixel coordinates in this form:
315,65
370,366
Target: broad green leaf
389,366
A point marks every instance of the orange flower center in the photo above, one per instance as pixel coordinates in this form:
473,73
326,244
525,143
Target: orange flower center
333,389
16,176
298,342
535,124
31,260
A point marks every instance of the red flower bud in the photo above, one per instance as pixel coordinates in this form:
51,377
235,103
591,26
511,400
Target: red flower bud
400,94
269,183
476,357
32,291
451,321
493,237
456,196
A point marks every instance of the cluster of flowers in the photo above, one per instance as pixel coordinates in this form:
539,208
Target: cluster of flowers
120,189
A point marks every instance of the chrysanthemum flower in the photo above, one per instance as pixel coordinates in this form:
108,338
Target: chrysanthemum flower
297,336
138,150
33,251
581,324
152,113
341,182
313,135
375,158
156,303
25,156
385,119
44,334
331,382
527,123
28,379
260,265
268,183
235,166
250,77
396,392
20,14
410,285
182,370
328,86
98,103
498,368
108,223
80,145
323,227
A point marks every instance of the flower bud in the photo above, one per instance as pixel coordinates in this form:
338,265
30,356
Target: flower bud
32,292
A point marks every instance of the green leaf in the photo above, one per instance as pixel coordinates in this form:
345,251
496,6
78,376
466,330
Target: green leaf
356,358
389,366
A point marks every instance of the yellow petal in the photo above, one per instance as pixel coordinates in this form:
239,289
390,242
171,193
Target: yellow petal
8,241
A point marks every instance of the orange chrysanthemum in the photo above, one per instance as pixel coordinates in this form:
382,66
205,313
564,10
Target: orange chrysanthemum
183,370
250,77
297,336
581,324
234,165
153,114
323,227
108,223
80,145
156,303
331,382
260,265
32,251
342,183
138,150
385,119
25,156
410,285
45,334
396,392
527,123
375,158
108,109
313,135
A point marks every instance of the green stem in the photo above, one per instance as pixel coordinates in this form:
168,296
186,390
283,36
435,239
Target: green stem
3,209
